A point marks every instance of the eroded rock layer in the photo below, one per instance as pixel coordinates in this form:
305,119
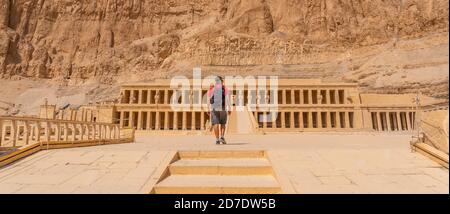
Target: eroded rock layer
385,45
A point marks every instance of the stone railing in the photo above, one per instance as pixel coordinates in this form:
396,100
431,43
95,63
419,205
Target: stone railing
254,122
434,126
23,131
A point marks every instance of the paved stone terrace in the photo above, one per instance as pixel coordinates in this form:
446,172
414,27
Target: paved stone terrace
304,163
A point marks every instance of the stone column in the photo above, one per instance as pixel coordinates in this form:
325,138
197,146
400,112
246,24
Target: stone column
38,131
250,98
149,94
74,132
66,132
265,120
26,132
184,126
99,132
18,132
193,121
329,97
140,97
89,115
326,98
83,115
82,132
112,132
58,132
47,131
345,96
139,124
32,135
329,120
103,132
122,115
175,121
292,96
310,120
183,97
388,121
131,96
319,120
108,132
336,96
274,121
202,121
300,120
13,132
166,119
408,122
149,118
379,123
399,120
292,120
131,120
300,96
325,120
241,98
310,97
339,120
157,121
166,97
347,119
88,132
283,115
94,132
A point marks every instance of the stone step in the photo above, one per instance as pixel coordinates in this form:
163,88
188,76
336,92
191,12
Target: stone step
221,167
218,184
221,154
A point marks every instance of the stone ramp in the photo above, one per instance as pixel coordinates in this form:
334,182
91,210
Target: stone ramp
219,172
241,122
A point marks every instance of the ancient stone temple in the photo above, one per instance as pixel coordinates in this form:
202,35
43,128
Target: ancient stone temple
297,105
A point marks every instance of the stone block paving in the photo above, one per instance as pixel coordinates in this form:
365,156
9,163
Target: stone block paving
303,163
361,171
81,171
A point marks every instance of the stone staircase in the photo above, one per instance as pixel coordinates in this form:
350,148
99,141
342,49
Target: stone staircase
219,172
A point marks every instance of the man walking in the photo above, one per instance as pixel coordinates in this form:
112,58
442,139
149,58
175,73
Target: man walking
219,108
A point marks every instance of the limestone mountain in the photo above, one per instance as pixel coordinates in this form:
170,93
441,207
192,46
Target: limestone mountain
385,45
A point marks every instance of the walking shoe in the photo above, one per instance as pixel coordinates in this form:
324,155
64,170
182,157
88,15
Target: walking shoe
217,142
222,140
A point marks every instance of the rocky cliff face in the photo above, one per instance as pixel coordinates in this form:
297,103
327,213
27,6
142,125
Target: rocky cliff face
393,45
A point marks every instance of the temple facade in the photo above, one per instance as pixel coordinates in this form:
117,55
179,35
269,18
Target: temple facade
295,105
